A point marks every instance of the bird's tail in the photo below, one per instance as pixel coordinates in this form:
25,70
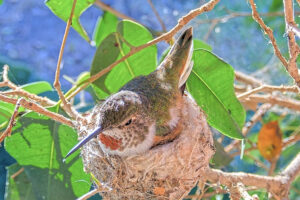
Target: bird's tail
178,63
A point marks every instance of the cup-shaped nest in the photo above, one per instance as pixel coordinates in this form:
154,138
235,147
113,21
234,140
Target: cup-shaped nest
167,171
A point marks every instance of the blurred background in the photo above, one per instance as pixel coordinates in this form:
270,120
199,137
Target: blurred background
31,35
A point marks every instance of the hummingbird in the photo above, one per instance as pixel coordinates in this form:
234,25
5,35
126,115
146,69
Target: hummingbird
147,110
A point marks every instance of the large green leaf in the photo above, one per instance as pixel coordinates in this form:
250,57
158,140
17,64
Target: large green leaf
105,25
39,144
211,84
37,87
113,47
19,187
62,9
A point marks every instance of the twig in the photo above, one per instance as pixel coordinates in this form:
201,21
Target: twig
281,101
15,90
106,7
232,15
239,192
17,173
290,140
165,37
66,105
278,185
295,29
11,123
272,168
157,16
39,109
241,77
89,194
269,88
290,66
293,46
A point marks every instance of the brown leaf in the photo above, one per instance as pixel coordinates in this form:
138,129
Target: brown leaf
270,141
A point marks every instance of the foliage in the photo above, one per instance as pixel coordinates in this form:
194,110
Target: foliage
62,8
42,143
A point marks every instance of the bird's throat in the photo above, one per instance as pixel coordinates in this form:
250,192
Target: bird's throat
110,142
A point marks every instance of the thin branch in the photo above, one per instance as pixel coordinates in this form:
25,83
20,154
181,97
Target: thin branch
17,173
293,46
295,29
12,120
232,15
241,77
106,7
290,140
39,109
290,66
269,88
268,31
15,90
281,101
165,37
89,194
278,185
157,16
66,105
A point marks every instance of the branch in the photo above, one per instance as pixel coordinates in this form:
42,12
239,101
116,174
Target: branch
293,46
157,16
241,77
39,109
15,90
290,66
281,101
11,123
268,88
66,105
279,185
106,7
165,37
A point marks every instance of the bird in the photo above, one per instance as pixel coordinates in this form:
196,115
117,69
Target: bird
147,110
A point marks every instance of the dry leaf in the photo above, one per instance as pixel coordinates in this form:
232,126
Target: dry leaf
270,141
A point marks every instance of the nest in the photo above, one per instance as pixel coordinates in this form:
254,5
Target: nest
167,171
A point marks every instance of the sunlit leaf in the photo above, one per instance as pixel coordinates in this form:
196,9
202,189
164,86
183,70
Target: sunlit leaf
37,87
62,9
105,25
113,47
43,144
211,84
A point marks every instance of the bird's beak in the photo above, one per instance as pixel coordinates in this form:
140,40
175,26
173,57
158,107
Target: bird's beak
85,140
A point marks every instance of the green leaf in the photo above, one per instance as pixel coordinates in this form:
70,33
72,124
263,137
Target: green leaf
113,47
20,187
6,110
1,1
105,25
211,84
199,44
62,9
37,87
39,144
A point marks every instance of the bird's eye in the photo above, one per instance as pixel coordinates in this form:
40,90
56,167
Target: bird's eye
129,122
